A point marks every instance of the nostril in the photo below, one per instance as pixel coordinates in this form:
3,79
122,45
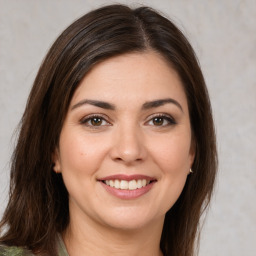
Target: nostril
127,159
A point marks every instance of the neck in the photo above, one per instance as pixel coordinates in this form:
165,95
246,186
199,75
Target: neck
94,239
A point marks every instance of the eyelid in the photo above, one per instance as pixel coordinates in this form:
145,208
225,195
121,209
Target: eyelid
169,118
165,116
90,116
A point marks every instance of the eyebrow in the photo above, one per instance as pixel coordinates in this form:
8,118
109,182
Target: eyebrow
97,103
161,102
145,106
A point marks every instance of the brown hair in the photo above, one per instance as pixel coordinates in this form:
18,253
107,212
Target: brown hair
38,204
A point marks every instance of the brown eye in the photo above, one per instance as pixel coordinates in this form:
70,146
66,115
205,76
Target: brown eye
96,121
158,121
161,120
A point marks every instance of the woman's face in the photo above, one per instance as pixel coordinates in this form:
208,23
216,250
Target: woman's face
125,147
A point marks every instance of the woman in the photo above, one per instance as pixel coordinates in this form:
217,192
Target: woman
116,153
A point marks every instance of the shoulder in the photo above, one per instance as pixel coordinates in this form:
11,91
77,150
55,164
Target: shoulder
14,251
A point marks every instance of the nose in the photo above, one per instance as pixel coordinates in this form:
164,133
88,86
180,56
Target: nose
128,146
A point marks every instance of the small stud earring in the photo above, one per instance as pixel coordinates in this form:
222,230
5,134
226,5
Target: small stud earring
190,170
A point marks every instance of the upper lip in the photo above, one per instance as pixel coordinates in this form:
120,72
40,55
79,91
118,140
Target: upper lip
127,177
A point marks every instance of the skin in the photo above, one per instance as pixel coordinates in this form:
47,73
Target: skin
126,140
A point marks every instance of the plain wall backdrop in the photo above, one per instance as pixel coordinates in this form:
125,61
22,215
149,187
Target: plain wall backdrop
223,34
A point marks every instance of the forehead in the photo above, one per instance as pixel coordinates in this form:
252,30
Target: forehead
133,77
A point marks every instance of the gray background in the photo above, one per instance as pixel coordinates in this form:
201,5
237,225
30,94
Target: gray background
223,34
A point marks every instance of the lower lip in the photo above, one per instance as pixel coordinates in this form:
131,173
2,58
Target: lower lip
128,194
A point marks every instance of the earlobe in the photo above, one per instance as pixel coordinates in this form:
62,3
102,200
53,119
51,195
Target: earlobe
56,162
55,168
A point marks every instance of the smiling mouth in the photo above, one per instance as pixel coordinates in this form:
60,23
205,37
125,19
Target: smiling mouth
127,185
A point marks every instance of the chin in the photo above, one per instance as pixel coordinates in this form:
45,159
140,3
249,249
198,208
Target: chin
129,218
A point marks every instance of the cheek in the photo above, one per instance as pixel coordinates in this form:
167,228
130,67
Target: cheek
173,159
80,154
72,152
79,163
172,154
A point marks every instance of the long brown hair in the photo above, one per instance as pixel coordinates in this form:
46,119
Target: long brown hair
38,204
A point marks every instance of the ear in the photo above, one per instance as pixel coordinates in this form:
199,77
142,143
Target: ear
192,152
56,161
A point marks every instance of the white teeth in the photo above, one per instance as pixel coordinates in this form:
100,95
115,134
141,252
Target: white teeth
124,184
117,184
132,184
139,183
111,183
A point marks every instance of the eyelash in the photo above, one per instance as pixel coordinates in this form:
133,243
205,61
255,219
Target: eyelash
84,121
166,118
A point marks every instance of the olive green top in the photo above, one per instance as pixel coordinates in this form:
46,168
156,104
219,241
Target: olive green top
18,251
